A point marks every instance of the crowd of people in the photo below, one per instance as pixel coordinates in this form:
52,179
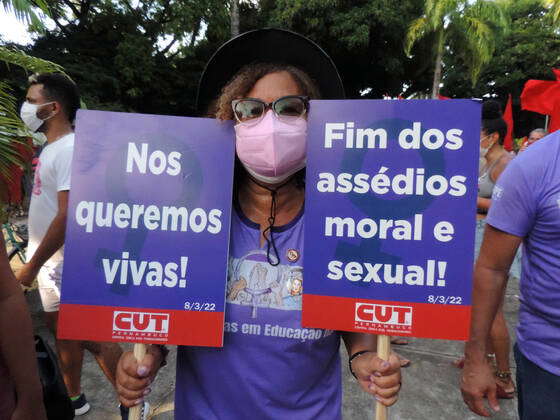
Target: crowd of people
262,84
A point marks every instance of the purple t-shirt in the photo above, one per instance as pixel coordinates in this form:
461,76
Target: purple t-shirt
526,203
270,366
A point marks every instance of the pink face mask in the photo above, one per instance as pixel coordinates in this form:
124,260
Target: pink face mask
272,149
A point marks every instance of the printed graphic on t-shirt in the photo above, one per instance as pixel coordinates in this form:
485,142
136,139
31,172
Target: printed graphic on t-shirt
497,193
37,179
254,282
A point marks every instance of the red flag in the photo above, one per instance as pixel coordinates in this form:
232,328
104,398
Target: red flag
555,118
442,97
508,118
540,95
13,193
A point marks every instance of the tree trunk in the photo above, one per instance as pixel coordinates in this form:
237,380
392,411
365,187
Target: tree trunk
195,32
234,17
437,69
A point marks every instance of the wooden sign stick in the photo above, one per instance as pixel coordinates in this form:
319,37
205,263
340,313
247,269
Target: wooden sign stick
135,413
383,352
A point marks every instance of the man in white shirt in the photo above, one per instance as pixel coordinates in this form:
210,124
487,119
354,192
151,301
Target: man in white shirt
50,107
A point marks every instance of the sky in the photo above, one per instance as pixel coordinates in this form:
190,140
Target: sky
11,30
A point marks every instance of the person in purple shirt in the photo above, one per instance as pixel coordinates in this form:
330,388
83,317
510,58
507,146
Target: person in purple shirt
525,208
270,367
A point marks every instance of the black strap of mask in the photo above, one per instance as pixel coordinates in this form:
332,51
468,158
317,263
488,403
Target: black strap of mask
268,232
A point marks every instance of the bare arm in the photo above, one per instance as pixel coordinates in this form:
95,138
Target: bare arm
490,279
483,203
16,343
53,240
355,342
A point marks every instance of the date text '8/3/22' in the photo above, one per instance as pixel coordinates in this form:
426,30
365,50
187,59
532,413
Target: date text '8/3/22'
445,300
200,306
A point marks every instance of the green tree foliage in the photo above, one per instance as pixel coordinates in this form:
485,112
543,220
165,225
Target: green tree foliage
11,127
24,10
364,38
530,50
131,58
460,26
149,58
554,6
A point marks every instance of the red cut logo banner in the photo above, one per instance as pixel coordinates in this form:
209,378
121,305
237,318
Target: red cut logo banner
423,320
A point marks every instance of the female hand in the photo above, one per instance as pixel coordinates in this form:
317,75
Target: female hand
378,377
134,378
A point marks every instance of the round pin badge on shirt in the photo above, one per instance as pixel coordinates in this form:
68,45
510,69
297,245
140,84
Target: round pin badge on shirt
292,255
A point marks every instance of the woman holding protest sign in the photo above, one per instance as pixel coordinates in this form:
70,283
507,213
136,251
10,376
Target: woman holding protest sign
270,366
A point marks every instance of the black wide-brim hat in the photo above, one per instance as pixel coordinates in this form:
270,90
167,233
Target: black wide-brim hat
268,46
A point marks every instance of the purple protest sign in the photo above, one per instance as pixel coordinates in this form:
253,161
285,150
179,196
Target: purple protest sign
390,216
148,229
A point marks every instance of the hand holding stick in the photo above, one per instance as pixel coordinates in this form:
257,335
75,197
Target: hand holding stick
135,412
383,352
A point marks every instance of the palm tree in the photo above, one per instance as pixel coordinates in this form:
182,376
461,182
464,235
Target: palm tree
554,9
23,10
11,127
474,27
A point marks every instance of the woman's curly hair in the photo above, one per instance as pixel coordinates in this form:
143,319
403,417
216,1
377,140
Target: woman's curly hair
240,85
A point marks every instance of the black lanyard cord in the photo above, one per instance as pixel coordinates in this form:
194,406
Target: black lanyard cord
271,219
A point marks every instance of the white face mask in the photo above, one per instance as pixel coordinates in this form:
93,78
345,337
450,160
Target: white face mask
28,114
484,150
